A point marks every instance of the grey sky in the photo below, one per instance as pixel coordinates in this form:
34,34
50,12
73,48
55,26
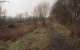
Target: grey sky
20,6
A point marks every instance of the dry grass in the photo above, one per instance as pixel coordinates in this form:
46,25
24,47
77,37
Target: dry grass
39,38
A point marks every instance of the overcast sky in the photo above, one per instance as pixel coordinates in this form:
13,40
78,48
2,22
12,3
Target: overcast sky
20,6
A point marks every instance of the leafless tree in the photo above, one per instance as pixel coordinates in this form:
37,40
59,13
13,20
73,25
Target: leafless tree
41,10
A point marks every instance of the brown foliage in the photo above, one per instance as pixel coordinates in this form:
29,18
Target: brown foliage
66,12
15,31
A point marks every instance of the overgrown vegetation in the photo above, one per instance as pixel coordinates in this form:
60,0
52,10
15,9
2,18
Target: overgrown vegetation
59,31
